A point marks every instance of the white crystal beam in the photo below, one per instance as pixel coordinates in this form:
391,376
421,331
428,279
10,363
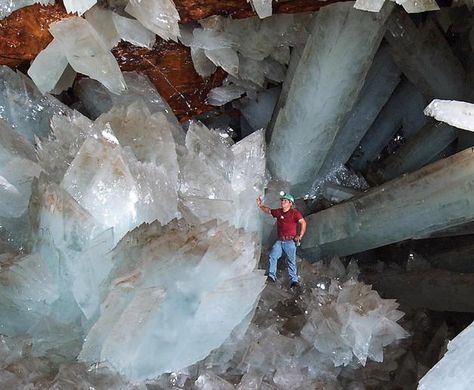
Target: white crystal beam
452,112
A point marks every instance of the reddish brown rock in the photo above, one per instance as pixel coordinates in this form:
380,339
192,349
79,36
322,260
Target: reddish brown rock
25,33
170,68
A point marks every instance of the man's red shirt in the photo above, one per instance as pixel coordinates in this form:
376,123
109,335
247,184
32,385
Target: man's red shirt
286,223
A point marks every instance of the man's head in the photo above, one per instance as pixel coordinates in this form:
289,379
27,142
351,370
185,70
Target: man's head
286,201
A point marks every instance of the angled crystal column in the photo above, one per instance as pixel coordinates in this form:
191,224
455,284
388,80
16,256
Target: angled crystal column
381,80
453,370
87,53
24,107
323,90
431,199
425,57
428,142
402,112
132,31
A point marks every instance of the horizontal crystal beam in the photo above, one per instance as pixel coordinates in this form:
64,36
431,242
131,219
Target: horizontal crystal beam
323,90
431,199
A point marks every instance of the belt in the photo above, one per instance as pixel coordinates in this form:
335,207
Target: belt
286,238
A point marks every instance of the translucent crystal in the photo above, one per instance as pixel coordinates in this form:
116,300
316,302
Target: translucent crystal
171,306
102,21
263,8
87,53
160,17
221,95
132,31
79,6
24,107
48,66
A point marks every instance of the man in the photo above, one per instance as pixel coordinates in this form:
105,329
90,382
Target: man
288,219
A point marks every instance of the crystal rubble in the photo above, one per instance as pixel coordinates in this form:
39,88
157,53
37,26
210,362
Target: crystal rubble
87,53
289,343
160,17
216,178
425,57
452,370
8,6
403,113
311,118
422,149
458,114
381,81
440,197
203,314
24,108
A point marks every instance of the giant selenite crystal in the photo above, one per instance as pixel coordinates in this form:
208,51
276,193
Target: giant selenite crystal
323,90
428,200
182,295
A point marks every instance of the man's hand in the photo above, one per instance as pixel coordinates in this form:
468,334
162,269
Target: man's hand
259,201
262,207
297,237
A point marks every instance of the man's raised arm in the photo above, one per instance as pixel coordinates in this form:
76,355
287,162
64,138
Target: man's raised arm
262,207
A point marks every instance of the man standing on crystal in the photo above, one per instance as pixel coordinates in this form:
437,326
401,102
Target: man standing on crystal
288,219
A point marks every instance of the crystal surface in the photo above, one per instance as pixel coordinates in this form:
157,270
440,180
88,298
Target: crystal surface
263,8
132,31
24,107
48,67
439,199
380,83
87,53
161,17
322,94
103,22
452,365
78,6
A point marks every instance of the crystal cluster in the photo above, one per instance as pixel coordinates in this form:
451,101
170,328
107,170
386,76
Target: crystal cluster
250,50
92,248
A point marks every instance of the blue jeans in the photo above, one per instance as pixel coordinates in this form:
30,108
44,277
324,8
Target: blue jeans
289,247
